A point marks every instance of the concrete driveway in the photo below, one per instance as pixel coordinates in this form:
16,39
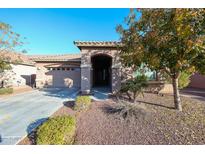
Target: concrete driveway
21,113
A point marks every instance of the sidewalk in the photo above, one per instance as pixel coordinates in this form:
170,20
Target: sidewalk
196,93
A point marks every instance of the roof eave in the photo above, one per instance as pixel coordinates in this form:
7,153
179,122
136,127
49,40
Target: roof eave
107,44
45,60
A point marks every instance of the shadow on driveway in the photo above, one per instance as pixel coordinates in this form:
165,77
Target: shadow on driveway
60,92
35,124
31,129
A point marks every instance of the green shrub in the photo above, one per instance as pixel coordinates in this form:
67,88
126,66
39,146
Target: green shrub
184,80
135,85
82,103
6,91
57,130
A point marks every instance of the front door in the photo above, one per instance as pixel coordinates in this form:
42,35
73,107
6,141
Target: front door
101,65
101,76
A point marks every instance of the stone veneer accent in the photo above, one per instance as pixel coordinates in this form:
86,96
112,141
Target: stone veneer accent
86,67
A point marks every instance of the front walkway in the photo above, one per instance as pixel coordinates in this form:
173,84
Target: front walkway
21,113
100,93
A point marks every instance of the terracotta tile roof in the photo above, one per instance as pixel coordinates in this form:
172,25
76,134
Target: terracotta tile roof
97,43
56,58
62,65
16,57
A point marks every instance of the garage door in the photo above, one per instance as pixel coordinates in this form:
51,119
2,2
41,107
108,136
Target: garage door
65,77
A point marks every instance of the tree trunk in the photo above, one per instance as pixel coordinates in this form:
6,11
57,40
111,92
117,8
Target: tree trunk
134,97
157,76
177,100
2,84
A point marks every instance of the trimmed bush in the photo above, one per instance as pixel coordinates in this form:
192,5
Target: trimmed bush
6,91
57,130
82,103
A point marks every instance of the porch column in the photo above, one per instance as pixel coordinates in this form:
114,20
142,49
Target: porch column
116,78
85,79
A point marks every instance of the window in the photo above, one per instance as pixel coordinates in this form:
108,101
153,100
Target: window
77,69
58,68
68,69
63,69
53,69
49,69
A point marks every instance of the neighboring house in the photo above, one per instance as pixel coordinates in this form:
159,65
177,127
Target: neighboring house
197,81
22,72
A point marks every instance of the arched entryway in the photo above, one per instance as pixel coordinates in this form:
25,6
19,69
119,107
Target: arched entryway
101,70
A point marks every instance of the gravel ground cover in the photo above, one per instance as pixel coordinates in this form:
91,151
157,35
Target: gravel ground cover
157,123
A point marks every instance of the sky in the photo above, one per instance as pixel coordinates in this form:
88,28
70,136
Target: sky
52,31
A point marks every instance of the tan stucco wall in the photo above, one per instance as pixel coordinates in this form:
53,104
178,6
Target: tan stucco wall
41,77
86,67
44,77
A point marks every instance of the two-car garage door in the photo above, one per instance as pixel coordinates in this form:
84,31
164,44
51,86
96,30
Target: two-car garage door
65,78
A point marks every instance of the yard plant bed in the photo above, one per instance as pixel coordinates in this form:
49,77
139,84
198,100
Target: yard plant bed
154,121
161,125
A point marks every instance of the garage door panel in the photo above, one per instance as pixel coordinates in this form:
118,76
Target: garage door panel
66,78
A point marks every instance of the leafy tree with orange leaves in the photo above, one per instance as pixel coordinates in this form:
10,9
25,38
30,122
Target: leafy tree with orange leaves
169,40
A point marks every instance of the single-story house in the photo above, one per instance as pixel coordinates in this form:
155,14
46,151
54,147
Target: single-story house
97,64
22,72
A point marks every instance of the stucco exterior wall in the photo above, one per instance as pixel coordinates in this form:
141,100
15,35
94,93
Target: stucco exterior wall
197,81
57,78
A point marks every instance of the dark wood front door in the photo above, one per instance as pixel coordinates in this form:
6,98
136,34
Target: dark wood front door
101,77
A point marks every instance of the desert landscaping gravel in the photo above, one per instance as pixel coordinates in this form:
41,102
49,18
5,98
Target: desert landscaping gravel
161,124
